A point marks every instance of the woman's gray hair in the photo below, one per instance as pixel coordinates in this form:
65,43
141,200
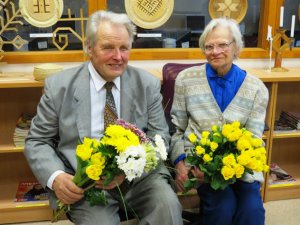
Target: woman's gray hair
98,17
233,27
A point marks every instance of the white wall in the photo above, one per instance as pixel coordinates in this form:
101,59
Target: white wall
151,64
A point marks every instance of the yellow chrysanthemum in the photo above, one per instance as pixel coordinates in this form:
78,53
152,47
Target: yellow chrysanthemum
237,134
84,150
239,170
236,124
200,150
261,150
266,168
243,159
252,164
120,138
203,141
213,146
227,172
98,159
205,134
247,134
243,144
259,166
226,130
263,158
251,153
214,128
94,172
256,142
192,137
229,160
207,158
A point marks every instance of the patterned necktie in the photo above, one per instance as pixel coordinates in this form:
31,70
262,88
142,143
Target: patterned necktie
110,111
110,116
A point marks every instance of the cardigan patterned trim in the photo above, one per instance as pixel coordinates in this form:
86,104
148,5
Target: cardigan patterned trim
195,109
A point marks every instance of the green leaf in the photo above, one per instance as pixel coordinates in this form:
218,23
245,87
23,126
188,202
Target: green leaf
217,139
189,184
203,169
95,196
218,182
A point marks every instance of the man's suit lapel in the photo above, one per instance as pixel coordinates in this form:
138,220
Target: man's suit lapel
127,103
82,100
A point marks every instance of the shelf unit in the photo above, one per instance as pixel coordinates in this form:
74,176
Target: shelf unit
283,147
20,93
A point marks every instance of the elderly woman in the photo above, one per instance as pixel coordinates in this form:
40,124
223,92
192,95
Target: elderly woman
216,93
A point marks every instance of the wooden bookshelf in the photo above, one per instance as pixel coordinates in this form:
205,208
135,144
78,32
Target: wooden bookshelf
21,95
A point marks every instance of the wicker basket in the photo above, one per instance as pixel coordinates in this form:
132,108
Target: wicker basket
42,71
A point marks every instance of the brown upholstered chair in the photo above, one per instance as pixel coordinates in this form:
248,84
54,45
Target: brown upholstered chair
169,73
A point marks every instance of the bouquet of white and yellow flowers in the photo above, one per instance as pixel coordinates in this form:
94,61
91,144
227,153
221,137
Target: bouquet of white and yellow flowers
123,149
225,154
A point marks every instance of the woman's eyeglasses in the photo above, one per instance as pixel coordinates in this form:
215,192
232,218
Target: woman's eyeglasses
219,47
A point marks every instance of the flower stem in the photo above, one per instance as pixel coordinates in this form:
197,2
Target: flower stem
123,201
81,183
90,186
60,212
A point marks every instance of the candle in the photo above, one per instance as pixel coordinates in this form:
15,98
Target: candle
269,35
281,16
293,26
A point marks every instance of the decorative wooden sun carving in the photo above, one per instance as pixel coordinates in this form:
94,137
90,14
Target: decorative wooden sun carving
235,9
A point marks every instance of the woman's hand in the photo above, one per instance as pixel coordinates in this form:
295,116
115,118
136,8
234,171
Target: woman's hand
182,172
198,174
117,181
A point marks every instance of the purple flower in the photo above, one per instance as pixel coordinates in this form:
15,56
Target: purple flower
134,129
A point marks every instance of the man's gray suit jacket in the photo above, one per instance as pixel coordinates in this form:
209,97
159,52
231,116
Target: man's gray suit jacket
64,117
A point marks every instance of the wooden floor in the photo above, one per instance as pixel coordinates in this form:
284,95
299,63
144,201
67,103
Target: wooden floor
284,212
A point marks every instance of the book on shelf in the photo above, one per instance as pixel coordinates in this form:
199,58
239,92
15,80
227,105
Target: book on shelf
291,118
22,129
279,177
31,192
281,127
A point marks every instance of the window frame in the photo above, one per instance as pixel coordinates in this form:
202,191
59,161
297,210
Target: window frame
268,16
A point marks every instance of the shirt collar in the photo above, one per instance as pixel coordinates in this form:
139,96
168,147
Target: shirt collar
211,73
98,81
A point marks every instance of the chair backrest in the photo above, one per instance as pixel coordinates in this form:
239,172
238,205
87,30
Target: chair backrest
169,73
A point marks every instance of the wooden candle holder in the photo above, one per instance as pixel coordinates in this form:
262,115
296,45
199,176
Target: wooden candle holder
288,42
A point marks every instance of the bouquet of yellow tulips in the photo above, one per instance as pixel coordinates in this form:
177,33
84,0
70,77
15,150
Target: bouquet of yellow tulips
124,149
225,154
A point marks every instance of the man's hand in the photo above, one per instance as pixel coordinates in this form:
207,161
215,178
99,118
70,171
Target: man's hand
181,175
65,189
117,181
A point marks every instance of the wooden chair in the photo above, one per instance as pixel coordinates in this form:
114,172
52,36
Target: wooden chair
169,73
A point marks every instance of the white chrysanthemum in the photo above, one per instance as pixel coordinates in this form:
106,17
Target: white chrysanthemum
132,161
160,147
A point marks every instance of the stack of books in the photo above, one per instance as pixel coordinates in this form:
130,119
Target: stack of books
281,126
22,129
291,118
279,177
